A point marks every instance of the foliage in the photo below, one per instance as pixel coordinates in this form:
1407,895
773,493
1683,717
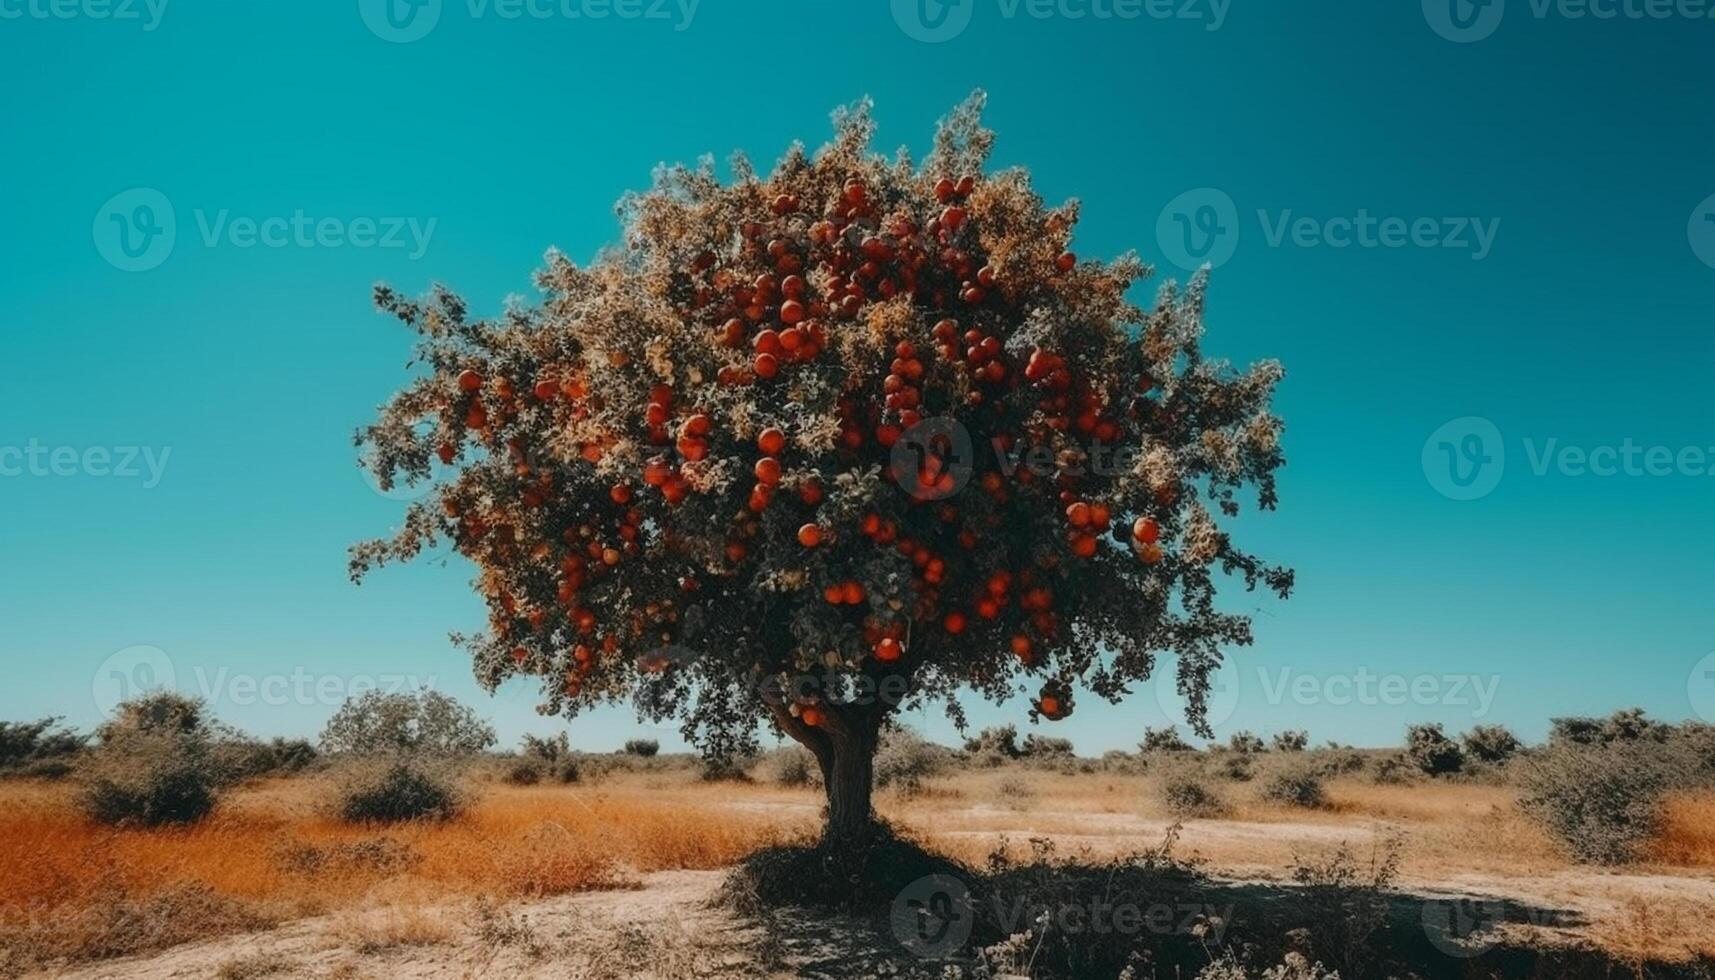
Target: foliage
729,458
795,767
1187,796
643,747
1292,740
1602,800
907,761
24,743
1001,741
1163,740
1298,786
1245,743
1490,743
1625,725
1046,747
425,721
547,749
1429,748
397,792
158,713
1345,902
150,778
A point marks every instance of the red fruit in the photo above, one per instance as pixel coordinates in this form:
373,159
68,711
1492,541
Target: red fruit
888,650
954,623
620,493
772,442
809,535
692,448
698,425
1050,707
766,366
1146,530
811,716
760,495
851,592
1021,648
834,594
945,189
1084,545
447,452
1150,553
546,391
657,471
952,218
1100,515
792,311
1066,262
1078,514
476,418
469,380
768,470
810,492
988,608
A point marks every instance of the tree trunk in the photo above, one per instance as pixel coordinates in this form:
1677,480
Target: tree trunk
848,773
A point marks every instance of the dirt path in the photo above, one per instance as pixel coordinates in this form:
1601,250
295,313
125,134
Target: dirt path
669,928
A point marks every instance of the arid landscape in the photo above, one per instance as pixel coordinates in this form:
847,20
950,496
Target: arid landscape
627,869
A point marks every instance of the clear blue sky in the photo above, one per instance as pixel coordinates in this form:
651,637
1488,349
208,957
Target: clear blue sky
1588,321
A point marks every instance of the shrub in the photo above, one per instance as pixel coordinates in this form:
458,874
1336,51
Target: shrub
1626,725
150,780
1186,796
1490,743
244,758
546,749
999,741
907,761
157,713
1601,800
395,793
30,743
1395,769
523,772
1295,740
1046,747
1432,751
643,747
1299,786
423,722
1246,743
1163,740
796,767
1236,767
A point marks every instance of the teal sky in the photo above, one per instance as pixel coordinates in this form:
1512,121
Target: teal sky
1584,147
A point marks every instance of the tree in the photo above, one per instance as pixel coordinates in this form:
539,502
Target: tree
1432,751
427,722
1490,743
857,435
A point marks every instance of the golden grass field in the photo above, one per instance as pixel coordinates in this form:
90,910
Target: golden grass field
272,854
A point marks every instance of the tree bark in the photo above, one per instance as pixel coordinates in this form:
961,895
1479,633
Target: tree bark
848,777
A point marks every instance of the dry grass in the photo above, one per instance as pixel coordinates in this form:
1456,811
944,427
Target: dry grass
77,890
1688,832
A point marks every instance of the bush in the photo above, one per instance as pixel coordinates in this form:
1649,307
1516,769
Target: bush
907,761
1046,747
1601,800
1490,743
150,780
1392,770
796,767
1245,743
999,741
1298,786
396,793
523,772
1186,796
643,747
1627,725
423,722
1163,740
1432,751
1295,740
1237,767
30,743
244,758
159,713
